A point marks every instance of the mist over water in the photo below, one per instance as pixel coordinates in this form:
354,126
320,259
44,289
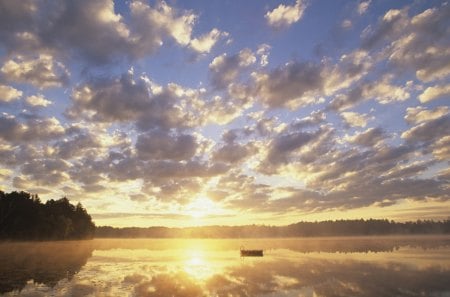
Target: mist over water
364,266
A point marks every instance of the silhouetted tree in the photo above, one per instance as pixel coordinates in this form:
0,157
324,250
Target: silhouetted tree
24,217
301,229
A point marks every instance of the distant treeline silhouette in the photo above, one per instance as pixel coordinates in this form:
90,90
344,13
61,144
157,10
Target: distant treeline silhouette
301,229
24,217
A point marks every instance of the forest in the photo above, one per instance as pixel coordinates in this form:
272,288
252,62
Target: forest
301,229
24,217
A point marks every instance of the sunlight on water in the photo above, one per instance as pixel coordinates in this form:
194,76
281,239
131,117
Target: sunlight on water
198,267
290,267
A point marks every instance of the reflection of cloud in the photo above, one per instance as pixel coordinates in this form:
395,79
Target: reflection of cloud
43,263
213,268
175,285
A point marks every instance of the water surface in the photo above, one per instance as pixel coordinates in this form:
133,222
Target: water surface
372,266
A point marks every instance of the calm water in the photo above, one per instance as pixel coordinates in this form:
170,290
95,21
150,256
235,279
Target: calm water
407,266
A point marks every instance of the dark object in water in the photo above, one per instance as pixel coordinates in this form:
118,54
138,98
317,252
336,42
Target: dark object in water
252,253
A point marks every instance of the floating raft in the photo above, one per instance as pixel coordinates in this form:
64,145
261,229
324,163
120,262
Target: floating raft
252,253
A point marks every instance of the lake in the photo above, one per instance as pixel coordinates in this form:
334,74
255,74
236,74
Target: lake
358,266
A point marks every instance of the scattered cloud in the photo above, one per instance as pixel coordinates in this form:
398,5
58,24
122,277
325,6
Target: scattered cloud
14,130
346,24
9,94
96,32
41,72
435,92
285,15
204,43
383,91
370,138
234,153
127,99
363,7
355,119
431,130
226,69
104,100
419,114
292,86
263,53
417,43
159,145
38,101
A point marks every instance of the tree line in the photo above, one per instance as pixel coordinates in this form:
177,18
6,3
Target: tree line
24,217
301,229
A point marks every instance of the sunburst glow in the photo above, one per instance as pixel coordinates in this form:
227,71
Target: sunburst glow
202,207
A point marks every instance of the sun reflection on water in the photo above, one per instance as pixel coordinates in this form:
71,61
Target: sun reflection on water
194,267
200,265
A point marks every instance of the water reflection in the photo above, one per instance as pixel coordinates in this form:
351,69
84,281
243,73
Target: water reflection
291,267
44,263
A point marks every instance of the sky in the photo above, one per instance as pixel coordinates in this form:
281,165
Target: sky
186,113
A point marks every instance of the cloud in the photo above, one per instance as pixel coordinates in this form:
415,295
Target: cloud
370,138
46,172
41,72
388,27
225,69
160,145
179,27
94,31
264,127
441,148
241,191
419,114
292,86
9,94
363,7
15,17
156,142
291,145
297,84
355,119
234,153
38,101
408,171
11,129
350,68
151,25
346,24
171,170
263,53
221,110
418,43
431,130
118,99
435,92
204,43
383,91
90,140
362,176
90,28
127,99
315,118
285,15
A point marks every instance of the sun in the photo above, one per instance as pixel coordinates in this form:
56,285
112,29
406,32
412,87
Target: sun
202,207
